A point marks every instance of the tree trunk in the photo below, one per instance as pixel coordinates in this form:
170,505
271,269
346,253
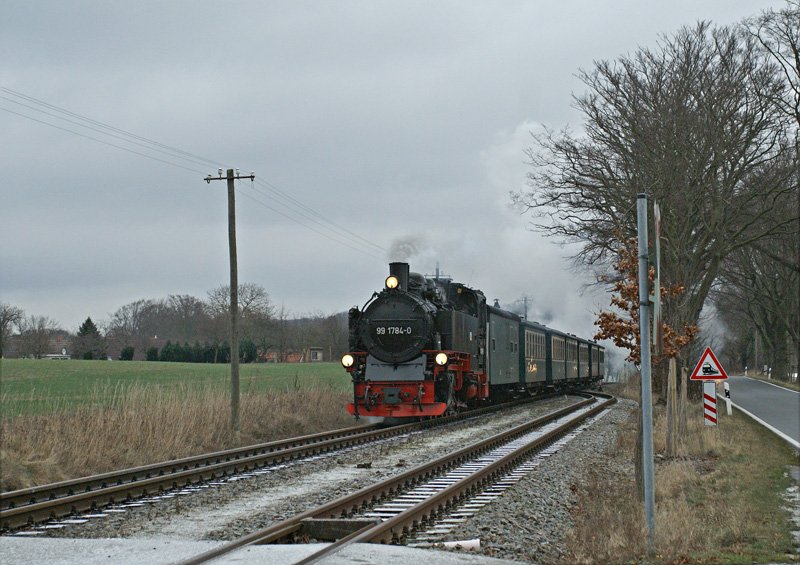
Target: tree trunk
682,408
780,365
660,379
672,410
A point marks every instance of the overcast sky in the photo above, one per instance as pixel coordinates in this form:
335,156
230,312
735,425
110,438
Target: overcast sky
404,123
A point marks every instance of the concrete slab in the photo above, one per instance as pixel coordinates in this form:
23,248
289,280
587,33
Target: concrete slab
21,550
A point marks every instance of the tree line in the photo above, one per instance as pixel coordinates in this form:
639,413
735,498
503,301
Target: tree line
184,328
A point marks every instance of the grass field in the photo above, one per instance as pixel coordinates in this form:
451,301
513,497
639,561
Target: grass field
35,386
66,419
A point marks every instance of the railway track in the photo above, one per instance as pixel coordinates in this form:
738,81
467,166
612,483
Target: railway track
391,510
40,504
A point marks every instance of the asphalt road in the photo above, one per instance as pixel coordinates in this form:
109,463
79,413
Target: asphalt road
776,407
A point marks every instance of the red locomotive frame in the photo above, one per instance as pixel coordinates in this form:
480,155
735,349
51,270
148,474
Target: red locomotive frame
413,399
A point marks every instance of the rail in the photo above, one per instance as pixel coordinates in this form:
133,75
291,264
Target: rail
394,529
33,505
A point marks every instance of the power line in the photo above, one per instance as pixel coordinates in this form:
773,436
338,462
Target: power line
315,217
98,130
287,197
129,150
104,125
292,205
335,237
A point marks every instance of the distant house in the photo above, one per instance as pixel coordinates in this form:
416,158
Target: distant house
307,355
59,345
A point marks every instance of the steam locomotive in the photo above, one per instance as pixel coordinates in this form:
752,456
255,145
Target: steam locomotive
428,346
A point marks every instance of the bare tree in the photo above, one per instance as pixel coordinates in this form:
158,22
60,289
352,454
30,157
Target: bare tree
9,317
694,124
255,312
133,324
761,284
253,300
34,335
185,317
281,334
334,335
778,34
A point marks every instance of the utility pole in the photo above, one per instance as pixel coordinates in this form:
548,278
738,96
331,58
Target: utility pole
234,309
647,397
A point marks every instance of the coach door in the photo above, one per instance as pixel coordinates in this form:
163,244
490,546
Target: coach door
503,350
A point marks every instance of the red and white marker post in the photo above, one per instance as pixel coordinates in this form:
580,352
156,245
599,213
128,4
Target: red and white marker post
709,370
710,402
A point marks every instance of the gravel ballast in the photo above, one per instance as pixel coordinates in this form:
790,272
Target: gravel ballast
529,522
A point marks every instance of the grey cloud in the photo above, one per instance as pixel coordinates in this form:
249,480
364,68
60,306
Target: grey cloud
401,121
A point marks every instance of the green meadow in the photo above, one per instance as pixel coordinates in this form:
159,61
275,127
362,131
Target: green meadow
36,386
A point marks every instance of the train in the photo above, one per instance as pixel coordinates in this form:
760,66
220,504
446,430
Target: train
427,346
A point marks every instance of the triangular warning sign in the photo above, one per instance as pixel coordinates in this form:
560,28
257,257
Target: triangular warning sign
708,368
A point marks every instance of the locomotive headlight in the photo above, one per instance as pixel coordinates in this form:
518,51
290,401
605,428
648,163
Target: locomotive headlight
392,282
441,358
347,360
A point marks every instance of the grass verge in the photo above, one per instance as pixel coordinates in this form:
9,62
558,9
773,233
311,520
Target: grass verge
791,385
719,501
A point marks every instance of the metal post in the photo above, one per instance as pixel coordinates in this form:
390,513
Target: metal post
647,402
658,328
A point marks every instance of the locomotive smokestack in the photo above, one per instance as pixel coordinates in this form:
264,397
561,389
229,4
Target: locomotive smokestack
400,270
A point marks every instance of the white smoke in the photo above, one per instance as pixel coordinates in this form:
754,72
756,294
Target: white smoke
404,249
422,255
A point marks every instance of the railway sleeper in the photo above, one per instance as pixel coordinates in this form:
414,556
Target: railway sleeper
333,529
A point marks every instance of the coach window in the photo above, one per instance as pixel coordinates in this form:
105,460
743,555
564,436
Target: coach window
494,344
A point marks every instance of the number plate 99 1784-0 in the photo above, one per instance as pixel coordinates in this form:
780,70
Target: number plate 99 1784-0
393,330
